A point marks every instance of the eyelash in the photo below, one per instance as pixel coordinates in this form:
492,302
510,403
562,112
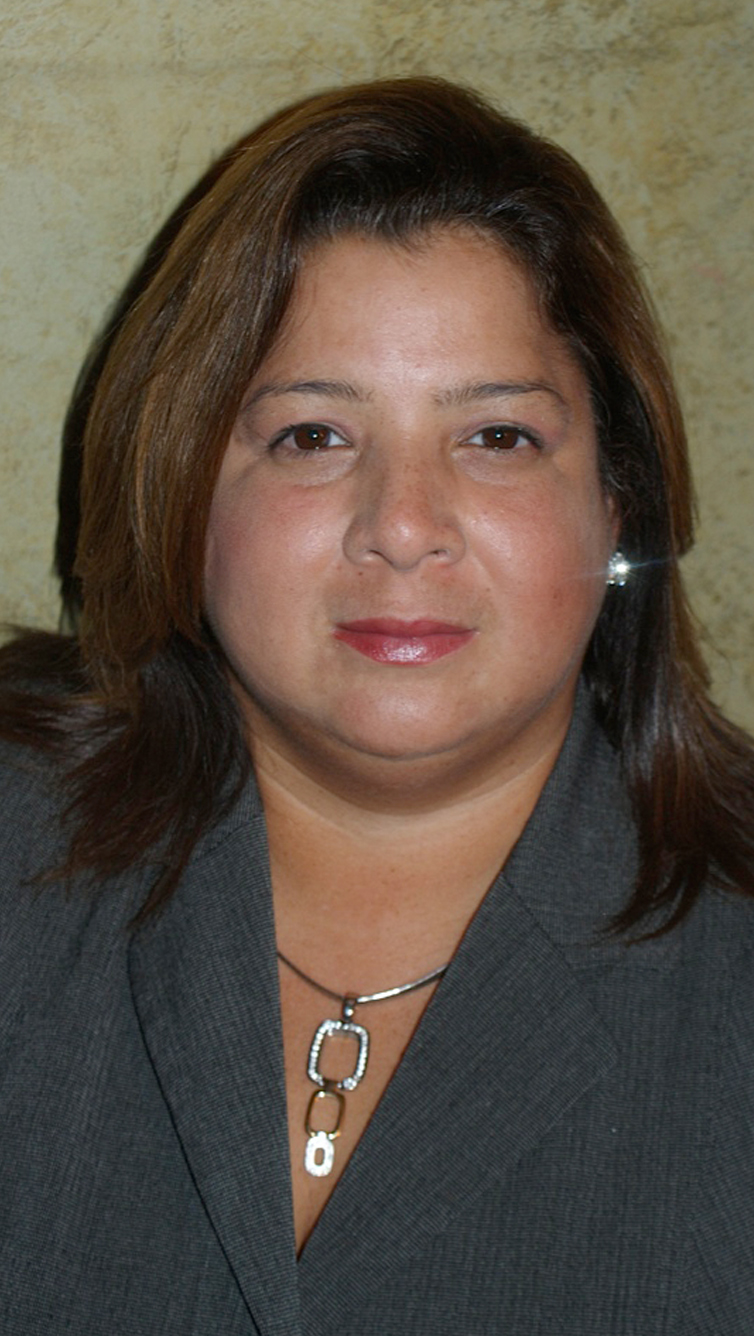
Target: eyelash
288,433
499,429
505,429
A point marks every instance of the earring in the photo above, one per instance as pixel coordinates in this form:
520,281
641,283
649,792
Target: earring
618,569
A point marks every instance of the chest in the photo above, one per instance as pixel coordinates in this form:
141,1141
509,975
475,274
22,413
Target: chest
526,1171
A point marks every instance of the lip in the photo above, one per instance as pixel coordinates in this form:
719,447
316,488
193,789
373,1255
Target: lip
411,643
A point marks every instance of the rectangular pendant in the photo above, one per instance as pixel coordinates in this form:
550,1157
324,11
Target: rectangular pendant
319,1156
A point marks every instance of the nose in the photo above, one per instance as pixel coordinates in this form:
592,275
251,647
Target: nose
406,513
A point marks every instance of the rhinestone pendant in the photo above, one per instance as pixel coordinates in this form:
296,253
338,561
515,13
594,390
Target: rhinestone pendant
319,1155
345,1027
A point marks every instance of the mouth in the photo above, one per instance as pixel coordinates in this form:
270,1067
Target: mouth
388,640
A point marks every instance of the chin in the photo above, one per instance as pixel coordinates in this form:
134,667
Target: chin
402,736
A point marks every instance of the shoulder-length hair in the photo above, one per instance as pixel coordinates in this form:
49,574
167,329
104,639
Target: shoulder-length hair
143,712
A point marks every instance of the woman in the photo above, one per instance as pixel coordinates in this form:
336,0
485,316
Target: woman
384,491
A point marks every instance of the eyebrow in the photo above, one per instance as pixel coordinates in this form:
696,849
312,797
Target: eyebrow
331,389
458,395
455,396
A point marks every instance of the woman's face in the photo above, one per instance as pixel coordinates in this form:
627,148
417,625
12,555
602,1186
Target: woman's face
407,544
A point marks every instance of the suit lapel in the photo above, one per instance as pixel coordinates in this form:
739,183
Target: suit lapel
204,983
509,1042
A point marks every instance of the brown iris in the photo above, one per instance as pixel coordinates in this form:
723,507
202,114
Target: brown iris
501,438
310,436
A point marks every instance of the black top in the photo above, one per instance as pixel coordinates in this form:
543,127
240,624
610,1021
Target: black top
568,1146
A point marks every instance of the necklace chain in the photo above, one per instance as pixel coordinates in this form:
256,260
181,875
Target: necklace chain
362,999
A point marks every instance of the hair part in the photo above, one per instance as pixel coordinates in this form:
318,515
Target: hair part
394,160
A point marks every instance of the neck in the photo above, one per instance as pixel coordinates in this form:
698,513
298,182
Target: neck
366,898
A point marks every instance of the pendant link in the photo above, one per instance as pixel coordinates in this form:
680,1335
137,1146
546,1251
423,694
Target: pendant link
319,1155
339,1028
329,1091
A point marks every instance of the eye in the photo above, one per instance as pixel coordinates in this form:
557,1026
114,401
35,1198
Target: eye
503,437
307,438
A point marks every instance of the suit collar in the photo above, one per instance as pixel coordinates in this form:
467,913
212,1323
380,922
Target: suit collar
576,863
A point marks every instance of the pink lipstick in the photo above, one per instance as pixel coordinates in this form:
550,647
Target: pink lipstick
387,640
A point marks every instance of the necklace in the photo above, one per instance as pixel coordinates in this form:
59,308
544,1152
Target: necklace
320,1144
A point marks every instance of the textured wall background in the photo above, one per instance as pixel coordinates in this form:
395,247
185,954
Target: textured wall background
109,113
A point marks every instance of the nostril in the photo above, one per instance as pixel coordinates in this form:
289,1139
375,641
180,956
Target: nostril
403,517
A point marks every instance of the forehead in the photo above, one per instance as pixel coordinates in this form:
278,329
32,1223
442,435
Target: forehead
435,255
442,303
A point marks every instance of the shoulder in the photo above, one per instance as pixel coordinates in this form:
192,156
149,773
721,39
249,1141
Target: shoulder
717,968
720,949
32,805
714,950
50,931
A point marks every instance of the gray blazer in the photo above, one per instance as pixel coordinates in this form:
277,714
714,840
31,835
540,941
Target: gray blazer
567,1147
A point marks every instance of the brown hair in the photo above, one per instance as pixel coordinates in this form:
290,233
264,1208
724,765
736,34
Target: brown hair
142,698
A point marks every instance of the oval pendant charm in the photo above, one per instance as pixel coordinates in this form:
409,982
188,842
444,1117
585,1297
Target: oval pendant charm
319,1155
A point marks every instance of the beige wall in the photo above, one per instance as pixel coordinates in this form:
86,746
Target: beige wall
108,112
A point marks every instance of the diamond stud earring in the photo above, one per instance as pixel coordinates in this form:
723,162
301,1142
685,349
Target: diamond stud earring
618,569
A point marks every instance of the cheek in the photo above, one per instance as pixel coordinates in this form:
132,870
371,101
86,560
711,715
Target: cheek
242,593
549,558
236,572
230,555
263,552
552,527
